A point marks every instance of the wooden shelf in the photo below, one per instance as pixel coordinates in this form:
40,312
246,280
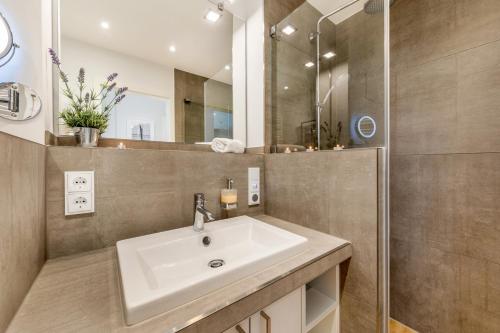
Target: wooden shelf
318,307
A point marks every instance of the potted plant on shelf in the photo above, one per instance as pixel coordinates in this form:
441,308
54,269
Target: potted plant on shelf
89,110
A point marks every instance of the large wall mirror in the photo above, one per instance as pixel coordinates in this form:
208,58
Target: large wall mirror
184,63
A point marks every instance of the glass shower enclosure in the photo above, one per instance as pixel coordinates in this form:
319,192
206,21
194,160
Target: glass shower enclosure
330,72
328,76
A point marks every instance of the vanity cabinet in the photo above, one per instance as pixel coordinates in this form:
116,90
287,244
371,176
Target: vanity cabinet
311,308
243,327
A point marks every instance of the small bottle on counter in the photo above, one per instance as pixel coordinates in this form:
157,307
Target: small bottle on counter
229,196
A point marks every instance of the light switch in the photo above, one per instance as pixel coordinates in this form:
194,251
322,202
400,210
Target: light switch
79,192
253,186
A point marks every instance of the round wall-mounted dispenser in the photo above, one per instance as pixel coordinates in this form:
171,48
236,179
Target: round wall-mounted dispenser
363,128
7,45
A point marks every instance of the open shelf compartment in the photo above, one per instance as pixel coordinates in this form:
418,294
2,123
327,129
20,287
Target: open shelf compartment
321,302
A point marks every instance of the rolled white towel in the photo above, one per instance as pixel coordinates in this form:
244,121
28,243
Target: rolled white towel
223,145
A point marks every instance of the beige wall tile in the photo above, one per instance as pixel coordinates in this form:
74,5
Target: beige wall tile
139,192
334,192
445,236
22,220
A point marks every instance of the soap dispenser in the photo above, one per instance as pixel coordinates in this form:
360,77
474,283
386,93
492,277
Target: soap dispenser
229,196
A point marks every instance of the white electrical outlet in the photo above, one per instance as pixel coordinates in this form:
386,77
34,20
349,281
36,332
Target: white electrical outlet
253,186
79,192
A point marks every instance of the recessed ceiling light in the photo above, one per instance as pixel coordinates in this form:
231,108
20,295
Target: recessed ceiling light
288,30
227,67
309,64
172,48
105,25
213,16
286,87
329,55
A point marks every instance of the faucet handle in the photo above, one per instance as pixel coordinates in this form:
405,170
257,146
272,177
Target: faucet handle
199,199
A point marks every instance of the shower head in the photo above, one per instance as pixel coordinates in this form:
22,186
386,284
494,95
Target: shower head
375,6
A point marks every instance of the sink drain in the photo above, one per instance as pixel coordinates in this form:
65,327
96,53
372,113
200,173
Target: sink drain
216,263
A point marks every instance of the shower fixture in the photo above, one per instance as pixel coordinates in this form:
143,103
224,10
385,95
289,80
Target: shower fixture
375,6
312,36
371,7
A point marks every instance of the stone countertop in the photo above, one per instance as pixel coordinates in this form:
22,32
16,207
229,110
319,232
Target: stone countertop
81,293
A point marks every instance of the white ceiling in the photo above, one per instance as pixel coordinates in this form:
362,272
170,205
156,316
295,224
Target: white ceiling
146,28
327,6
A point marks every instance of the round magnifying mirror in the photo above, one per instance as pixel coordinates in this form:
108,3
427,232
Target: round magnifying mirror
6,42
367,127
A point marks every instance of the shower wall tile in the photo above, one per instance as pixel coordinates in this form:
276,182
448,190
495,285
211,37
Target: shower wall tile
478,99
445,96
445,181
22,221
425,113
139,192
445,241
334,192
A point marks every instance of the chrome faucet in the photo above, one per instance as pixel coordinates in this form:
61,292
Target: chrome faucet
201,214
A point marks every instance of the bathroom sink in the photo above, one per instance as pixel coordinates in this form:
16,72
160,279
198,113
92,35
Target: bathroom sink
162,271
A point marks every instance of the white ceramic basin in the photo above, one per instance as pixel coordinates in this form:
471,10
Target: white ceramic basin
168,269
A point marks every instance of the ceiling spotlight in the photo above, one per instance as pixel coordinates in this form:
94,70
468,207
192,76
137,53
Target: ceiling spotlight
227,67
105,25
213,16
309,64
288,30
329,55
286,87
172,48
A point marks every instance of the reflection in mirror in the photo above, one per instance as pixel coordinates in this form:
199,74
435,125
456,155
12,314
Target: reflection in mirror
328,73
176,58
18,102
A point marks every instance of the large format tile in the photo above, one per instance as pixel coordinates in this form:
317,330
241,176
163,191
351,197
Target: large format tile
139,192
445,242
424,111
22,220
334,192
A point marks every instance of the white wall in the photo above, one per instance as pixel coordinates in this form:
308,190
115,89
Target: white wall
255,77
137,74
239,81
140,76
143,108
30,64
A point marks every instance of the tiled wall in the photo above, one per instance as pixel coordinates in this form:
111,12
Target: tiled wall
22,220
336,193
189,117
445,226
138,192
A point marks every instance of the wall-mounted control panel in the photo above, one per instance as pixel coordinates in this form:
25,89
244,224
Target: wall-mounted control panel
79,192
253,186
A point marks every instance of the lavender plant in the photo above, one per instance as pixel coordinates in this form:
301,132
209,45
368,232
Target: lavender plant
88,107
